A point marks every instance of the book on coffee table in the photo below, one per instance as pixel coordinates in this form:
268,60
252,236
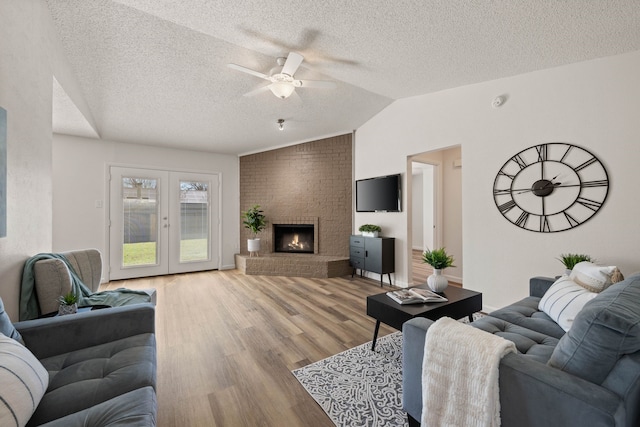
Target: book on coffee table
415,296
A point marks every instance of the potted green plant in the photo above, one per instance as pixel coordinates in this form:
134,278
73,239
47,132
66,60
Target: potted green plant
254,220
439,259
68,304
370,230
570,260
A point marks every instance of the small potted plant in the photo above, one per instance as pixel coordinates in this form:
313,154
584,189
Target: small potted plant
439,260
68,304
254,220
570,260
370,230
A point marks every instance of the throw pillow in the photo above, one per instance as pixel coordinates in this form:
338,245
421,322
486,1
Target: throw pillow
564,300
6,327
23,382
592,277
605,330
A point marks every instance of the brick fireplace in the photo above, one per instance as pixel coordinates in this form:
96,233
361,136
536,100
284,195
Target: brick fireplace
305,184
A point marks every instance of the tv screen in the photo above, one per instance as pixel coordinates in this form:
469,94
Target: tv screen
380,194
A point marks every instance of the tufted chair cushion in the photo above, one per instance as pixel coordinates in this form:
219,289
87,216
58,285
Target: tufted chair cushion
525,313
95,375
530,343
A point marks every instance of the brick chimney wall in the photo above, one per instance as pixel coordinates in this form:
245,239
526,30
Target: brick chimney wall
303,183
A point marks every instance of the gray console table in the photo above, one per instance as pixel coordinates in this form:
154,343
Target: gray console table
374,254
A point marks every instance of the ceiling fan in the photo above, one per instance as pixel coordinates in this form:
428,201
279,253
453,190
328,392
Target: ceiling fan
283,84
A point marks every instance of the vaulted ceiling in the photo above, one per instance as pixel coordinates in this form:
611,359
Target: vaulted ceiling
155,71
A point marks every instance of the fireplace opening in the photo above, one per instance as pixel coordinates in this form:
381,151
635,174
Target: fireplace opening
296,238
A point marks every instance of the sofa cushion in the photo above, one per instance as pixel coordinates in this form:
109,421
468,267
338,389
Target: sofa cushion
525,313
532,344
135,408
90,376
564,300
607,328
23,381
592,277
6,327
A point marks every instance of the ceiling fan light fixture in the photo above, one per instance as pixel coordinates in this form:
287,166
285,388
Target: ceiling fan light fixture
281,90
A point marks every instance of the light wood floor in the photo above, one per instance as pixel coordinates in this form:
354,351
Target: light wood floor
227,343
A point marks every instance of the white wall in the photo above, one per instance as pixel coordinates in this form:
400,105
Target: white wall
593,104
417,207
79,180
26,32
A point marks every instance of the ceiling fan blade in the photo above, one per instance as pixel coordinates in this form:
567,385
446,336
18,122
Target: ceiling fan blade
317,84
248,71
257,91
293,62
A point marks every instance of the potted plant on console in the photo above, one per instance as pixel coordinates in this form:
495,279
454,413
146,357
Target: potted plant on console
254,220
370,230
439,260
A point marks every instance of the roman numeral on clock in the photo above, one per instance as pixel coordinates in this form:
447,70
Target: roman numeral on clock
588,184
522,219
544,224
507,206
572,221
542,152
585,164
519,161
589,204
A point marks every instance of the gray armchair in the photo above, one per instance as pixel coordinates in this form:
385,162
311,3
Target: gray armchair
48,276
589,376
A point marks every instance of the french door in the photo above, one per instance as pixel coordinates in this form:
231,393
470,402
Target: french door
162,222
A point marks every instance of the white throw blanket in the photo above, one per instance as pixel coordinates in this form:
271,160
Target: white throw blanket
460,375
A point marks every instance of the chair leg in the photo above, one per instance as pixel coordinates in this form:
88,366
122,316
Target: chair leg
412,421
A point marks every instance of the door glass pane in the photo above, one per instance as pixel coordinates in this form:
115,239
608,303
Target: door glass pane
140,221
194,221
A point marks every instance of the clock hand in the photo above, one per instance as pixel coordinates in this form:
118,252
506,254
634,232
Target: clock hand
555,184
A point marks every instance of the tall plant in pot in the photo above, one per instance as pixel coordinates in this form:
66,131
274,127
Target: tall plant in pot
570,260
439,260
254,220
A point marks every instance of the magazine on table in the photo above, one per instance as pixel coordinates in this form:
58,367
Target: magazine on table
415,296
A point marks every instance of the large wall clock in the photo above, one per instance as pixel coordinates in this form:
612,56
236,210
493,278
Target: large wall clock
551,187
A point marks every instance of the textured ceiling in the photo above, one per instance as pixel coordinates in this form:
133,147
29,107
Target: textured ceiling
155,71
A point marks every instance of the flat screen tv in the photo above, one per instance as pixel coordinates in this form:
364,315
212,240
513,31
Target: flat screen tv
380,194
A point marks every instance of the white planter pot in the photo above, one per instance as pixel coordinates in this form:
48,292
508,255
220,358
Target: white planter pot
253,245
437,282
67,309
370,233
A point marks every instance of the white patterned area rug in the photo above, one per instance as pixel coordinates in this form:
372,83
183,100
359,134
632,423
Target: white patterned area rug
359,387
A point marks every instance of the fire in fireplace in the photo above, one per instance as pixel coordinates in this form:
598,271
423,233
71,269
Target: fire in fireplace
293,238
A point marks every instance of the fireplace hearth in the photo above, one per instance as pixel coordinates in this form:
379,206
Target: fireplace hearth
293,238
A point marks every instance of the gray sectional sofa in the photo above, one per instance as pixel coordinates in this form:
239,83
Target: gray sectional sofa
588,376
101,366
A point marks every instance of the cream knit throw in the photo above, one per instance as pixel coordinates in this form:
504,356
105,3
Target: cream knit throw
460,375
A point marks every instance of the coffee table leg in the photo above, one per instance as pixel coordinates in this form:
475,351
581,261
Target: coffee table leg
471,318
375,335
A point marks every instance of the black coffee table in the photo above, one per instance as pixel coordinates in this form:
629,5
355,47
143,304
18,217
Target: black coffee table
462,302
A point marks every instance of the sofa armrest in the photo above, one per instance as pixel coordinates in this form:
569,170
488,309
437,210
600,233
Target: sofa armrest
533,394
539,285
414,333
57,335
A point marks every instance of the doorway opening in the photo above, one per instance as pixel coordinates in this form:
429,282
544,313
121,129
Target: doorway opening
434,201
